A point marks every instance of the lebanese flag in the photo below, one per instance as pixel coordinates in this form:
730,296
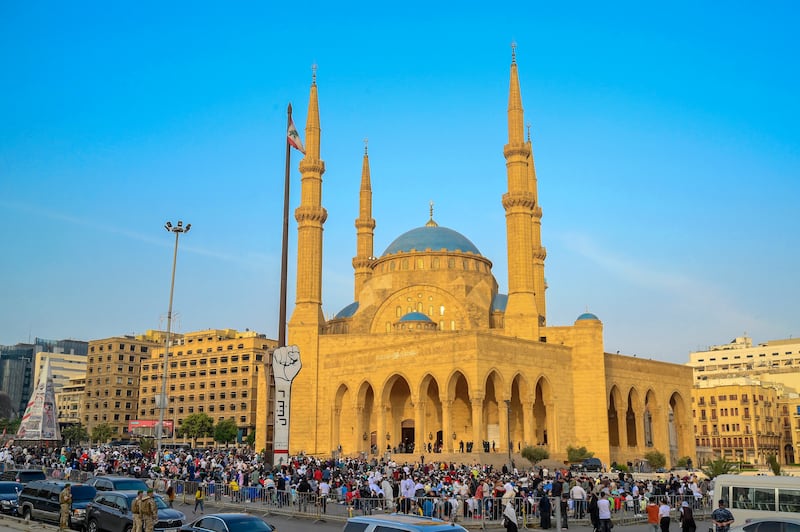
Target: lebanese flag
294,137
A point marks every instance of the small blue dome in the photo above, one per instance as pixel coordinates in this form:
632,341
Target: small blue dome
587,316
499,303
415,316
347,311
431,237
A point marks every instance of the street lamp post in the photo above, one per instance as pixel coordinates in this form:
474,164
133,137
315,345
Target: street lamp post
177,229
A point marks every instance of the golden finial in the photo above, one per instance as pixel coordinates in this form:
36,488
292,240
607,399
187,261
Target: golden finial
366,141
513,51
528,125
431,223
314,74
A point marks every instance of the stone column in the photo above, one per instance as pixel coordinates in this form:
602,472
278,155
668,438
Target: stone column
552,426
478,430
360,429
528,421
447,426
419,427
380,437
503,411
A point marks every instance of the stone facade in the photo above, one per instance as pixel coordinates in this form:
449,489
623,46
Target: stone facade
432,355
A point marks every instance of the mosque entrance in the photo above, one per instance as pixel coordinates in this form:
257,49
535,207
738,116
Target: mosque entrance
407,436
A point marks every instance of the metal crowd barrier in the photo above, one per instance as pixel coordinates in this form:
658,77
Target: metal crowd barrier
486,511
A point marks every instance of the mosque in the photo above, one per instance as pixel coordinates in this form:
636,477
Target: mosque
433,355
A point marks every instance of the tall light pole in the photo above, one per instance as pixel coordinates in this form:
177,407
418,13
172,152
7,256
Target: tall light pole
177,229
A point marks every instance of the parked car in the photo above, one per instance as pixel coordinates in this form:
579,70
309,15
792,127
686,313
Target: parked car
770,524
112,483
591,464
9,491
111,511
399,523
23,476
39,500
229,523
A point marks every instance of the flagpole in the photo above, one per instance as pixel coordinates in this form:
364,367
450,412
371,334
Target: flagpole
285,238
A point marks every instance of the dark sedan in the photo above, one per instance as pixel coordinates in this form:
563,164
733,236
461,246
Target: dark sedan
9,491
111,511
228,523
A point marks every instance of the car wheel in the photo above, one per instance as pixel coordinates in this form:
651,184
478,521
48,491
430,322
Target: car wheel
92,526
128,528
26,513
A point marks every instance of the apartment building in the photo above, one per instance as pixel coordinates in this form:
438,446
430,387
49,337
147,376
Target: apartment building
112,379
215,371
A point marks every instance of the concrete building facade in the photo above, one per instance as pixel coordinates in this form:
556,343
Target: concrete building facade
112,380
213,371
431,354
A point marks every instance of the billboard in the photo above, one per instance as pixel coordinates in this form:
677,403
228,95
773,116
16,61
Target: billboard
149,428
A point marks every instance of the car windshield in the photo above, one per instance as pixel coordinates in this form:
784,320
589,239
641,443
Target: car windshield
130,485
83,493
8,488
247,524
160,502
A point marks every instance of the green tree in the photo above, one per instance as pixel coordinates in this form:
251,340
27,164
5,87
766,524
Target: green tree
102,433
772,460
195,426
11,426
535,454
226,431
718,467
683,461
577,454
74,434
656,459
250,439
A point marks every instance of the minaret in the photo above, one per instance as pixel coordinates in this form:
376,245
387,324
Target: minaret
521,316
307,319
539,252
365,229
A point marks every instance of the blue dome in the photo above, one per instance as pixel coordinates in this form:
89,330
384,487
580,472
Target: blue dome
587,316
433,238
415,316
499,303
347,311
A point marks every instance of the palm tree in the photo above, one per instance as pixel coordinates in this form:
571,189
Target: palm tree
718,467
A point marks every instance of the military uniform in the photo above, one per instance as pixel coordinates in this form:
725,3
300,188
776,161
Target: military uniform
149,511
65,501
136,509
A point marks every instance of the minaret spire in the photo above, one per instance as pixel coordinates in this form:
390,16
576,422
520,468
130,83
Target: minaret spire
539,252
307,319
521,315
365,228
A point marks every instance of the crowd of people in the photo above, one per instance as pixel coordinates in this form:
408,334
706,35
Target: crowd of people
443,489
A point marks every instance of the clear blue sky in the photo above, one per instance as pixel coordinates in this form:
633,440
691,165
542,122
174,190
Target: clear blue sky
666,142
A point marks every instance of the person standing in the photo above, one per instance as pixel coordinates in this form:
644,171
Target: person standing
687,518
136,509
65,502
722,517
663,514
604,513
652,514
149,511
171,494
564,507
578,495
199,499
545,510
594,512
510,517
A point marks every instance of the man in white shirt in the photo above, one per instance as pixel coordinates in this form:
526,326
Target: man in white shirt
578,496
